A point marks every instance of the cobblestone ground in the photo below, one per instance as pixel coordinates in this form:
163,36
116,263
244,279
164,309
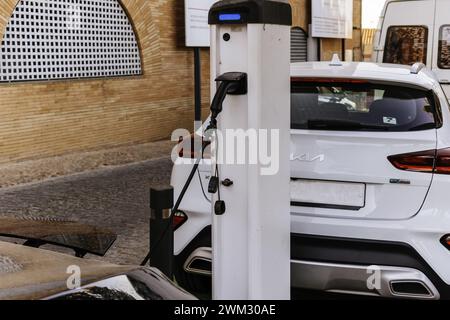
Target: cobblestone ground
116,198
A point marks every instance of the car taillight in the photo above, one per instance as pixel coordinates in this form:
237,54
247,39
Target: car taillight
190,147
430,161
442,161
179,218
445,240
417,161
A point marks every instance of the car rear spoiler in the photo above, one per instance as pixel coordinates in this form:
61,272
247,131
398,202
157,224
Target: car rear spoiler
39,231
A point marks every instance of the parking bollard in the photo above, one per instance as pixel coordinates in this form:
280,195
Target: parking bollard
161,233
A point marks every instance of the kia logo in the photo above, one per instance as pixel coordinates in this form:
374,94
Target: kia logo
308,158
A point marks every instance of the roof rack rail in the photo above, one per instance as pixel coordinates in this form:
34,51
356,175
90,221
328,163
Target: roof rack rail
417,67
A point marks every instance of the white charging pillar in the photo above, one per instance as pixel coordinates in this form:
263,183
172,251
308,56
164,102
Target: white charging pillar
251,240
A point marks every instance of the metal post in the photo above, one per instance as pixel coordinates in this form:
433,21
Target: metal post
251,239
161,233
198,85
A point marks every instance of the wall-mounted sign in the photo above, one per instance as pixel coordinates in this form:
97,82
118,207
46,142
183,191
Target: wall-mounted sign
332,19
196,20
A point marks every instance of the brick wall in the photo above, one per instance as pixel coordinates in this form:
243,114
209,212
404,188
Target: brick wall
44,119
301,13
50,118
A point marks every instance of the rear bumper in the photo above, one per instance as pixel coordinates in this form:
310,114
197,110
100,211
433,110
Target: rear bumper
342,265
347,265
421,235
377,281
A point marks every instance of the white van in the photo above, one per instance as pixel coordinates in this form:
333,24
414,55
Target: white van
412,31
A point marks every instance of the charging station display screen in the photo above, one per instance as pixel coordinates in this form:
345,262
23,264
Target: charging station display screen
229,17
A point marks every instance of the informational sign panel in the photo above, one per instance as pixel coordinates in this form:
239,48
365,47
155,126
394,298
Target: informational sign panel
332,19
196,20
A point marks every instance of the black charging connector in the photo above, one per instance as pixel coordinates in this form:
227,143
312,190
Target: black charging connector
219,208
233,83
213,185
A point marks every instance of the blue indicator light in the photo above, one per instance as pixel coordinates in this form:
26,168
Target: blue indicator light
229,17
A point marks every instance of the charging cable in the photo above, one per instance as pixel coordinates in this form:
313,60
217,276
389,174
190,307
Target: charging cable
233,83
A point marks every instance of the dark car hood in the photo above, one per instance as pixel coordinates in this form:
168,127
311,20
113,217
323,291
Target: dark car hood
29,274
39,231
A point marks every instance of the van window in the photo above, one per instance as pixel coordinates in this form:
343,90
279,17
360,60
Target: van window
360,106
406,45
444,48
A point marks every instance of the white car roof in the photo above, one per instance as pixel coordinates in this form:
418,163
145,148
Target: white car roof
366,71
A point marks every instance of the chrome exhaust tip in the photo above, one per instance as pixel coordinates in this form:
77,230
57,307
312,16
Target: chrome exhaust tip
199,262
411,289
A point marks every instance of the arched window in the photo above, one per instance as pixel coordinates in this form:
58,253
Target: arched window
64,39
299,45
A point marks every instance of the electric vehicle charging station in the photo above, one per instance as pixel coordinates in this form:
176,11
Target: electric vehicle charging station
250,70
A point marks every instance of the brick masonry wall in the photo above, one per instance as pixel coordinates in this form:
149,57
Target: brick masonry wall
301,16
50,118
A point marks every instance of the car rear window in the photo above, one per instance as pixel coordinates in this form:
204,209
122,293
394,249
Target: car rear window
361,107
406,45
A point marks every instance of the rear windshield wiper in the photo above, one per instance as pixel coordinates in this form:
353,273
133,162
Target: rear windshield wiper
342,125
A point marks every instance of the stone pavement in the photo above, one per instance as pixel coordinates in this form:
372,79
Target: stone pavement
113,197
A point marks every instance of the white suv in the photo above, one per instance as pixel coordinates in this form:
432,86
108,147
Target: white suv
370,189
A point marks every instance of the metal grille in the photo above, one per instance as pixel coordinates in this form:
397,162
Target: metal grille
299,45
63,39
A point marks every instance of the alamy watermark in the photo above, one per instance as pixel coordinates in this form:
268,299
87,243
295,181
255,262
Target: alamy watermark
232,147
74,280
374,278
